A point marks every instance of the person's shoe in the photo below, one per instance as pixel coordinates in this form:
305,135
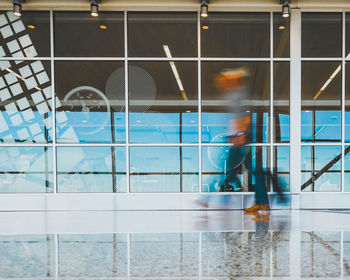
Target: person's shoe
256,208
261,218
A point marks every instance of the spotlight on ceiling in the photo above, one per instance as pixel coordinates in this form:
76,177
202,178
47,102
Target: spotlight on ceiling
17,7
94,7
285,8
204,8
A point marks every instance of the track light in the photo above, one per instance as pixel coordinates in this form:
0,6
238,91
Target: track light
94,7
204,8
17,7
285,8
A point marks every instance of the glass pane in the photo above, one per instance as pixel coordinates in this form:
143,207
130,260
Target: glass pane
217,111
219,164
78,34
347,35
163,102
281,35
25,102
281,167
27,256
347,168
163,169
281,111
236,35
347,102
150,33
321,101
89,169
321,34
90,95
319,250
321,168
169,256
25,36
91,256
26,170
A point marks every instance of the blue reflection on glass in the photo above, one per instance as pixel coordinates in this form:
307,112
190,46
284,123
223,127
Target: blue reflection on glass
214,127
327,125
119,127
84,169
306,125
160,169
84,127
313,160
284,127
26,169
28,125
163,127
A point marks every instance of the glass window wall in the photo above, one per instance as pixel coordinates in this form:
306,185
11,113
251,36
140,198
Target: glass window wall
134,114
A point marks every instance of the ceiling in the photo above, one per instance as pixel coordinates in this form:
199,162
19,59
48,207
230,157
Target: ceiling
215,5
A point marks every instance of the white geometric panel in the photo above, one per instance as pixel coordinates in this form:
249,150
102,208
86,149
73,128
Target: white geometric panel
8,138
30,83
25,71
5,94
12,17
16,119
13,46
23,133
28,115
18,54
40,138
6,31
61,117
3,20
3,124
16,89
2,83
30,51
11,78
18,26
58,102
25,41
35,129
2,52
42,78
11,108
37,66
48,122
42,108
47,92
23,103
37,97
4,65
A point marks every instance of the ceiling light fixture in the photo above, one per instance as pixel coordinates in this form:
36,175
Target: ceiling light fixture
30,26
176,74
285,8
94,7
204,8
17,7
205,27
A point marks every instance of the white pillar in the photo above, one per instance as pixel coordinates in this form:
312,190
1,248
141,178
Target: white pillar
295,107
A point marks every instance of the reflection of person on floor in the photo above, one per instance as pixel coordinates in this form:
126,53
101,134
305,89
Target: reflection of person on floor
233,83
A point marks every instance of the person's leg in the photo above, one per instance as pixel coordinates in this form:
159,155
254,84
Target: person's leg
261,196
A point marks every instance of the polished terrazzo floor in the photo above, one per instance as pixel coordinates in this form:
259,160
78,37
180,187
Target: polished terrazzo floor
175,245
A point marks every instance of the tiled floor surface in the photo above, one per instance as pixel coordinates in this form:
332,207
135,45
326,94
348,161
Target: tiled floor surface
175,245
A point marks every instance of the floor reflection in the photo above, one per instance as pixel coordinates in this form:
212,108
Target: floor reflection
274,250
